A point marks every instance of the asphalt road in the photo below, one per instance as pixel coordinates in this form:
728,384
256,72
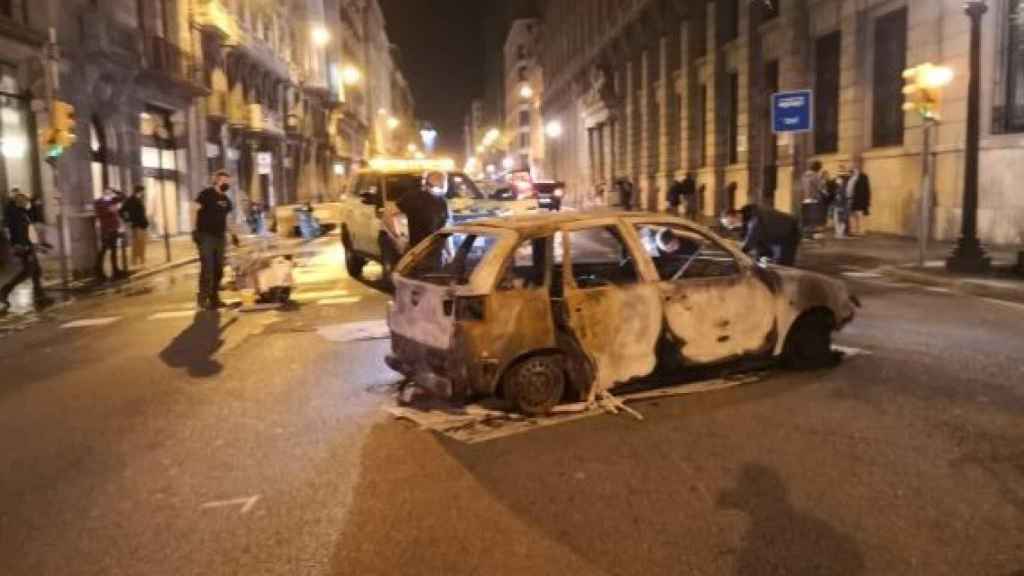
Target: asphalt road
153,440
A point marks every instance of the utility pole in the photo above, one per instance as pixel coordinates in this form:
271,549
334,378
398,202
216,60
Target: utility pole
51,63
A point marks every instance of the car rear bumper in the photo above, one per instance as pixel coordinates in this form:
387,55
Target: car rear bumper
443,373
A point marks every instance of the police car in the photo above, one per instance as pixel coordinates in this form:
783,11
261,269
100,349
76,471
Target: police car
374,229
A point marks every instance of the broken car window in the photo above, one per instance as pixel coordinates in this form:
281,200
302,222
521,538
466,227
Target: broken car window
450,259
679,253
601,258
526,268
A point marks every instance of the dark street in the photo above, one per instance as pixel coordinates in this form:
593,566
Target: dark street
169,441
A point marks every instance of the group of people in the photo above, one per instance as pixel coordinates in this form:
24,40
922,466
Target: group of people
846,196
116,217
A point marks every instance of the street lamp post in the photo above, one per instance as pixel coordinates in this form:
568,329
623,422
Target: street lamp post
969,256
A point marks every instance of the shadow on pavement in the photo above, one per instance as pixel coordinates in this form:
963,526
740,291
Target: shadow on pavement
781,539
195,347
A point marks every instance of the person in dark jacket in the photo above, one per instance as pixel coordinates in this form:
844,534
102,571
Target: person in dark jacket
626,193
108,221
425,208
858,190
133,212
675,196
768,233
210,220
18,220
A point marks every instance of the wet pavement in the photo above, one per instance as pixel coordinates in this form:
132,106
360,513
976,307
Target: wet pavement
138,436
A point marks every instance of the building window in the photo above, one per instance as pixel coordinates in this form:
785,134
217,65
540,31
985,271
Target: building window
521,52
524,141
890,60
1015,68
524,118
734,117
522,73
769,9
729,23
7,8
826,94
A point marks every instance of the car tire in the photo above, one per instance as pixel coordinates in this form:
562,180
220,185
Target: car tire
354,263
809,343
535,385
388,259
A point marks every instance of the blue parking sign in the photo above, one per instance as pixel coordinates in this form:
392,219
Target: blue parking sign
793,111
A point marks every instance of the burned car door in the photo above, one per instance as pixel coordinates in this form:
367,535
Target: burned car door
610,303
716,308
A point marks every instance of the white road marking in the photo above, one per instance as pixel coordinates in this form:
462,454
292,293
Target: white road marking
850,351
862,275
168,315
343,300
308,296
90,322
938,289
246,503
1014,305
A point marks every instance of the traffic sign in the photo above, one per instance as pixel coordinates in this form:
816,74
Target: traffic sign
793,111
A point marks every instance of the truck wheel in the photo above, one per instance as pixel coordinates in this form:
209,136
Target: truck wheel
809,343
354,263
534,386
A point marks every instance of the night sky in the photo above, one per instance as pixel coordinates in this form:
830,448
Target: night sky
442,56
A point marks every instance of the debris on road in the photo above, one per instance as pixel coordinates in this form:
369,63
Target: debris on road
476,423
355,331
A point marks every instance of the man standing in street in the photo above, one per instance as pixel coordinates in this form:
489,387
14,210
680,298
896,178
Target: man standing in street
133,212
858,190
675,197
210,216
106,209
811,182
24,243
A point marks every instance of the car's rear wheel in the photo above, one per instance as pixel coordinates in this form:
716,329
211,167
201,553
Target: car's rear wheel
809,343
354,263
535,385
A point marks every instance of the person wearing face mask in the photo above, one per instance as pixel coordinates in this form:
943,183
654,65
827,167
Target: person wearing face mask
210,215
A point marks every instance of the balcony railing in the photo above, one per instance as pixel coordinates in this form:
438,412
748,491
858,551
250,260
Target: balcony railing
168,58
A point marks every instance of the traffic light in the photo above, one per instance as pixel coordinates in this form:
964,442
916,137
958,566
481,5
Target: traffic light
61,134
63,118
923,89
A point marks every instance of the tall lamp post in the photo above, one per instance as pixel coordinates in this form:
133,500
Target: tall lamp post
969,256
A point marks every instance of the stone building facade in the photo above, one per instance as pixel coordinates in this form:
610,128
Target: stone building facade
524,89
167,92
652,89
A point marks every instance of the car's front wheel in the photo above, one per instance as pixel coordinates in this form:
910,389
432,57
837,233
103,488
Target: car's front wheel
809,343
534,386
354,263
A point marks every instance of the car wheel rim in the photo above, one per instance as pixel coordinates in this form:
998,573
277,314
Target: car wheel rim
535,385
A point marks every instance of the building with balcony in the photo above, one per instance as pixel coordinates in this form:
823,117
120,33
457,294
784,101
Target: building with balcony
651,89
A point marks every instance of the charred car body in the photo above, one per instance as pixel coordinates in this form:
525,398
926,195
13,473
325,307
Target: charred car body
540,309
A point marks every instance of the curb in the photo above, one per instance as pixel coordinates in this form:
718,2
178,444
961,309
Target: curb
968,285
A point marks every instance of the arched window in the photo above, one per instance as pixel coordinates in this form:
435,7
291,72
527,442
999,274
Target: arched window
1015,67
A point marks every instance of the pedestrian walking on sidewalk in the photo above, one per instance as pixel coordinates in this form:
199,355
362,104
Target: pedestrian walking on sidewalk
210,214
767,233
625,193
858,188
133,212
24,244
107,209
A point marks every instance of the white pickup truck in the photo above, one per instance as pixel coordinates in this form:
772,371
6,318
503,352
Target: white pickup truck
374,229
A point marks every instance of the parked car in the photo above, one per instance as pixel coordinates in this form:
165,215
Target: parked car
372,227
541,309
549,194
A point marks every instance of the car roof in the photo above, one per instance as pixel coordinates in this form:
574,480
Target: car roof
527,223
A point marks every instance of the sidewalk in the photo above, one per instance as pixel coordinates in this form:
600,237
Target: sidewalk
897,258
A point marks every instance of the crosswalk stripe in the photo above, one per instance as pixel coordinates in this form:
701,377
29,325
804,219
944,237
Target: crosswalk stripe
344,300
850,351
938,289
862,275
90,322
168,315
307,296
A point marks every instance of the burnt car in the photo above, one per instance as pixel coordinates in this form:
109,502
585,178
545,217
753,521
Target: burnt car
547,308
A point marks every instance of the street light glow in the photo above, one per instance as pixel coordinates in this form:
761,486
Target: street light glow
321,36
508,163
936,76
526,92
393,123
553,129
351,75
